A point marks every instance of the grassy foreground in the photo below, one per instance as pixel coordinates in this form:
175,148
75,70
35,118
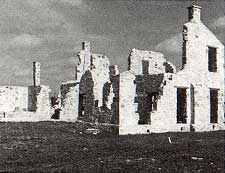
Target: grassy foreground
61,147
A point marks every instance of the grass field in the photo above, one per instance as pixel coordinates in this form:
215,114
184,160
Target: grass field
61,147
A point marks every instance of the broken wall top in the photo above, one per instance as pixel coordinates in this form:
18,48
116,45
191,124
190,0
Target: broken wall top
91,61
99,61
147,62
150,83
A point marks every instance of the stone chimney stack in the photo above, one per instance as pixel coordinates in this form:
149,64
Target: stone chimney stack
36,73
86,46
194,13
113,69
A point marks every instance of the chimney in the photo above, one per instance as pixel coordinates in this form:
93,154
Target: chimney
36,73
113,69
86,46
194,13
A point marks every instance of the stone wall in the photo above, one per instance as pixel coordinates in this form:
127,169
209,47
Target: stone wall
92,94
115,100
95,87
69,93
111,98
86,97
150,97
39,100
198,38
148,91
43,103
195,78
28,103
84,57
32,97
100,74
13,98
149,62
128,117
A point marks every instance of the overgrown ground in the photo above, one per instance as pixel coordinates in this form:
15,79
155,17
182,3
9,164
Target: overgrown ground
60,147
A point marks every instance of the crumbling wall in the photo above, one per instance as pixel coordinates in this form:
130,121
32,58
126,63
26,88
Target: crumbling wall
30,103
128,118
148,91
100,75
93,75
69,92
140,62
111,98
162,113
84,57
87,102
13,98
43,103
107,95
91,95
94,84
148,73
115,80
105,113
24,103
195,79
32,97
166,117
39,101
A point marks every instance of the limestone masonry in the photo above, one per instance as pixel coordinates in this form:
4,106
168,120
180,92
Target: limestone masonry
151,96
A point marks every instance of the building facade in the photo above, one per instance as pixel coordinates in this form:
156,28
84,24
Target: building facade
188,100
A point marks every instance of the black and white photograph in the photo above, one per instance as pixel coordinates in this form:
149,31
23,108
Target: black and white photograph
112,86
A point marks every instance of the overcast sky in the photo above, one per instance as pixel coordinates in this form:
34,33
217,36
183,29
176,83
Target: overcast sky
51,31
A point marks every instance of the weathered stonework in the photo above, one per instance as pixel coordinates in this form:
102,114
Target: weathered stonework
195,80
151,96
84,57
30,103
95,87
149,62
43,103
111,97
37,73
69,95
13,98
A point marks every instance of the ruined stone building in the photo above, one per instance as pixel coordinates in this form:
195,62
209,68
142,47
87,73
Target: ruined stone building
158,99
94,95
25,103
151,96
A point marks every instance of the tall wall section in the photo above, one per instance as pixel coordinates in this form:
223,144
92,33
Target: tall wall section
196,81
13,98
30,103
197,43
69,93
97,87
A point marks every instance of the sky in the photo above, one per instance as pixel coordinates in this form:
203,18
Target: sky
51,31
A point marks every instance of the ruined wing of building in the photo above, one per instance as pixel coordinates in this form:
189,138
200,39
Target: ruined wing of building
151,96
20,103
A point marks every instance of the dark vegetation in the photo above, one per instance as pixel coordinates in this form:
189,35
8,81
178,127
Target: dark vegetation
64,147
